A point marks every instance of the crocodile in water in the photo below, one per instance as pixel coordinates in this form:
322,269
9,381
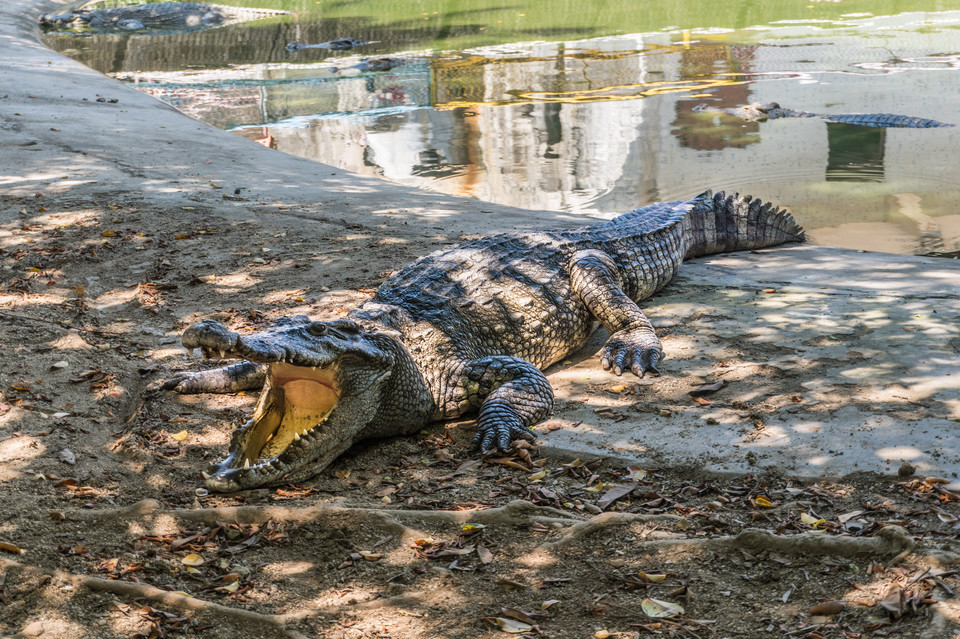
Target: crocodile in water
161,15
468,328
337,44
759,111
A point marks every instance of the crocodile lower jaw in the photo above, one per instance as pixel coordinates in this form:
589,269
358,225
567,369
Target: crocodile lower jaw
284,432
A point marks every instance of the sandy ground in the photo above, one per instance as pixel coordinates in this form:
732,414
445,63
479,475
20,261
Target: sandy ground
122,222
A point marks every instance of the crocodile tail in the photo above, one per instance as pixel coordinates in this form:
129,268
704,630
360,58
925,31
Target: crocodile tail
718,223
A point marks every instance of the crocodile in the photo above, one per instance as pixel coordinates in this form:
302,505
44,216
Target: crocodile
758,111
467,328
161,15
337,44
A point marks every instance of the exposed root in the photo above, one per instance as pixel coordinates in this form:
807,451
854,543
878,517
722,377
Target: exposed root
889,540
183,603
517,512
607,520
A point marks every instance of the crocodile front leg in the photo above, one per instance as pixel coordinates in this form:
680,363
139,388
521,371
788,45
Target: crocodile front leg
226,379
512,395
633,343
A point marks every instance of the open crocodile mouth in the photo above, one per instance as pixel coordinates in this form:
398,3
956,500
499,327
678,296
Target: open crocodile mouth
295,401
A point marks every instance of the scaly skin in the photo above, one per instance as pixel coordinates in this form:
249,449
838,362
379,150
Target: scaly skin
759,111
468,328
161,15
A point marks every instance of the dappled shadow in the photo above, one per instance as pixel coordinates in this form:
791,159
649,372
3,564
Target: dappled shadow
848,365
111,243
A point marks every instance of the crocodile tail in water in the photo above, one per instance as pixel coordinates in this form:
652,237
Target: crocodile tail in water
718,223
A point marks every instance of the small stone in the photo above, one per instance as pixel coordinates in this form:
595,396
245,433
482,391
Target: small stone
66,456
906,469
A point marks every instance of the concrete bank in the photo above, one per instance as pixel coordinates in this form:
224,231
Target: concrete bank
834,361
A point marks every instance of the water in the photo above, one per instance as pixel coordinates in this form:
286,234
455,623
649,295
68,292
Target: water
595,119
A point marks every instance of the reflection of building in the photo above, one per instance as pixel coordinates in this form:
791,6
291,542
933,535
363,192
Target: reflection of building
602,126
702,131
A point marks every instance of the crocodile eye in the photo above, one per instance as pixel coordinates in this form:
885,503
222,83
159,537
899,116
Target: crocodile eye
317,328
346,325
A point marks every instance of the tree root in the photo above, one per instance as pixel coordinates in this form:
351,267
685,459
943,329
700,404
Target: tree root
890,540
514,513
606,520
183,603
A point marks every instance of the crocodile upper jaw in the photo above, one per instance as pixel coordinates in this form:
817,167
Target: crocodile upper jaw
284,432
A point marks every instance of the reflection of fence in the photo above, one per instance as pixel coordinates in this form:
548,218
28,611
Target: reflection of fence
229,99
223,107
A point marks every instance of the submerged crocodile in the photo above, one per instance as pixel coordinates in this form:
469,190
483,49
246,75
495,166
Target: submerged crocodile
759,111
468,328
161,15
337,44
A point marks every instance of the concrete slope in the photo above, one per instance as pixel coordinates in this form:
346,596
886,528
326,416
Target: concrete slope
834,361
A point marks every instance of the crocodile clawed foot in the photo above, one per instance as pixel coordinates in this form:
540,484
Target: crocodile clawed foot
634,349
499,436
183,384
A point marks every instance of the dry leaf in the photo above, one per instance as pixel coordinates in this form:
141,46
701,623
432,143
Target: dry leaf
893,602
828,608
11,548
521,616
485,555
811,520
615,493
193,559
509,625
708,388
635,473
182,435
660,609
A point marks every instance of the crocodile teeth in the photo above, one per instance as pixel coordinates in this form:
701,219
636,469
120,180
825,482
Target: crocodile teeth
222,353
205,474
296,437
246,464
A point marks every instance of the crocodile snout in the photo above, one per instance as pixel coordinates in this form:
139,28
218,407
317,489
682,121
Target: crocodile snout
210,336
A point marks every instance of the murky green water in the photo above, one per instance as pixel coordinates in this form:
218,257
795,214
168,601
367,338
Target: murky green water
589,107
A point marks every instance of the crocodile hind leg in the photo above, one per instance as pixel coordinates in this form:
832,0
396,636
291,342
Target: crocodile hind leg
512,395
633,344
226,379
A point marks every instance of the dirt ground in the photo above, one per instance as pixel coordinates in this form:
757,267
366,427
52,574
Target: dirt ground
105,530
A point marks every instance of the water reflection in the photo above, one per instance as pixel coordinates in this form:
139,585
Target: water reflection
854,153
605,125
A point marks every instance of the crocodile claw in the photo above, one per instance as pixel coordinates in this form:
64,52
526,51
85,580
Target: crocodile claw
634,349
499,435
